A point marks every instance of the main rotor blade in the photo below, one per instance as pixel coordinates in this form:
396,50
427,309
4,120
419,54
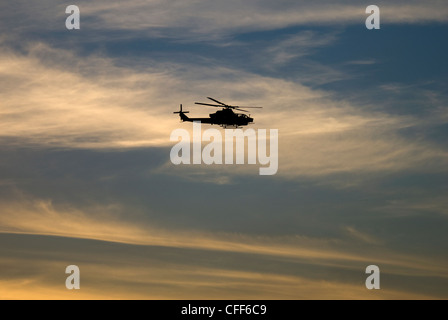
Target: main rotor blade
208,104
217,101
252,107
241,110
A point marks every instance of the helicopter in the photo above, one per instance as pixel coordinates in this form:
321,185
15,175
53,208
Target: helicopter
225,117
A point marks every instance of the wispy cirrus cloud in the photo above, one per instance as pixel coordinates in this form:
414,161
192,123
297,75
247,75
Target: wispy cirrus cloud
173,262
295,46
215,17
212,20
54,99
85,121
107,223
179,281
362,62
68,102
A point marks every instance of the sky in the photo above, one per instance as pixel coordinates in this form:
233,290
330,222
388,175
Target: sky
86,178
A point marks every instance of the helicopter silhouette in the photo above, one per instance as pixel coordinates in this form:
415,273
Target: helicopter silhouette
225,117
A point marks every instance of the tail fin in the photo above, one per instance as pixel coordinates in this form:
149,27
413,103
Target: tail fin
182,114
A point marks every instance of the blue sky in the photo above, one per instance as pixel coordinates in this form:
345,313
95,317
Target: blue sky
86,179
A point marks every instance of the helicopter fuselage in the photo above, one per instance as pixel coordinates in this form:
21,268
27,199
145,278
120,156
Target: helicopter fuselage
224,118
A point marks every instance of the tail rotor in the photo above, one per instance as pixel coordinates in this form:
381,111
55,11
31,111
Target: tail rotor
180,111
182,115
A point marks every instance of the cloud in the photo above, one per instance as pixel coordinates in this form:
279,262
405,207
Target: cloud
362,62
52,98
295,46
122,259
213,18
357,235
208,20
127,281
433,204
116,216
107,223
